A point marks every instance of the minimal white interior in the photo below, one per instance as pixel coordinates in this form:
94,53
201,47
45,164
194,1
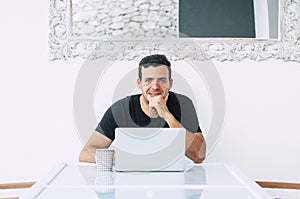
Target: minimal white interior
260,136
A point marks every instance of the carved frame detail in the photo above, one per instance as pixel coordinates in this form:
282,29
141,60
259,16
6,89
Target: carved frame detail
63,46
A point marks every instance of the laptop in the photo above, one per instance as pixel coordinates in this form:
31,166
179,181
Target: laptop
149,149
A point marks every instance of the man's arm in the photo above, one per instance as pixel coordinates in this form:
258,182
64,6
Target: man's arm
195,146
195,143
97,140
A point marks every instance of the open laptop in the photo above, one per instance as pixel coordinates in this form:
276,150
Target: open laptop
149,149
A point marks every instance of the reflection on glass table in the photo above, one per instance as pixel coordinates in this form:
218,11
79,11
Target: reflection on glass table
198,181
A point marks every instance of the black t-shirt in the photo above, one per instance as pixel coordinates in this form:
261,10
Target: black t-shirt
127,112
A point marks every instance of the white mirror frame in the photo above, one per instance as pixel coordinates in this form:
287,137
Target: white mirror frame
63,46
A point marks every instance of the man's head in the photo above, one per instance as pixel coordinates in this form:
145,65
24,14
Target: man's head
154,60
154,76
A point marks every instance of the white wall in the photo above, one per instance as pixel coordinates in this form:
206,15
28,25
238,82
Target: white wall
261,132
37,129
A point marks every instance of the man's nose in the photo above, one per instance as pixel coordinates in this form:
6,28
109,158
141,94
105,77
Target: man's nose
155,83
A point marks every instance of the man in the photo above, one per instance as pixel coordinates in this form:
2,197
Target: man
155,107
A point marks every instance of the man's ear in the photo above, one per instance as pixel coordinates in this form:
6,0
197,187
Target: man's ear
171,83
139,83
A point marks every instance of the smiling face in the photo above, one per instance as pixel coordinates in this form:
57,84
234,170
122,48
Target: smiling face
154,81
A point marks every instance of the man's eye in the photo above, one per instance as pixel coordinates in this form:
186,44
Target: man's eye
148,80
163,80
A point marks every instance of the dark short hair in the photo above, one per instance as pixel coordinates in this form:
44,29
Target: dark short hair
154,60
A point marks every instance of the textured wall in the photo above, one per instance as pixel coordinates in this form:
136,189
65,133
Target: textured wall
114,19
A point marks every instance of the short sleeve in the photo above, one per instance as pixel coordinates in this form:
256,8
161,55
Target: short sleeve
188,118
116,116
107,125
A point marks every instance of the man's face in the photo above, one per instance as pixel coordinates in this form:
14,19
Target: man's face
155,81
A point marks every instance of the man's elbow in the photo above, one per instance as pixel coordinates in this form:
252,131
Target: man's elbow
199,159
195,156
86,156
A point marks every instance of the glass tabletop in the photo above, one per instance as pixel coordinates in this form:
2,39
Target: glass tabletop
147,193
198,181
79,175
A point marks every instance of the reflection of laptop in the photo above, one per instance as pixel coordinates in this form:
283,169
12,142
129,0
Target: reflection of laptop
149,185
149,149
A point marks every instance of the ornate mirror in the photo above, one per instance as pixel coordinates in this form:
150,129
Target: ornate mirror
195,29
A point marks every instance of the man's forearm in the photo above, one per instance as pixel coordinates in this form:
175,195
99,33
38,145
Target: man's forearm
97,140
195,146
195,143
87,154
172,121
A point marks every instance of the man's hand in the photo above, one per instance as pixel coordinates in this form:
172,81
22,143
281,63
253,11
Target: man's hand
158,106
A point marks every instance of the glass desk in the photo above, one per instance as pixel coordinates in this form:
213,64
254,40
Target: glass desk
198,181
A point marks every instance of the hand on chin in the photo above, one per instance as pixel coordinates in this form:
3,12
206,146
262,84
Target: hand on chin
153,113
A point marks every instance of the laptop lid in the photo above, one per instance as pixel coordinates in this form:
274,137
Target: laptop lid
149,149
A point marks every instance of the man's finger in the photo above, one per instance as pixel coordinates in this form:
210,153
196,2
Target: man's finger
166,97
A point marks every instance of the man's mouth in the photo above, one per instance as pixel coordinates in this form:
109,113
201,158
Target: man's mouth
152,94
